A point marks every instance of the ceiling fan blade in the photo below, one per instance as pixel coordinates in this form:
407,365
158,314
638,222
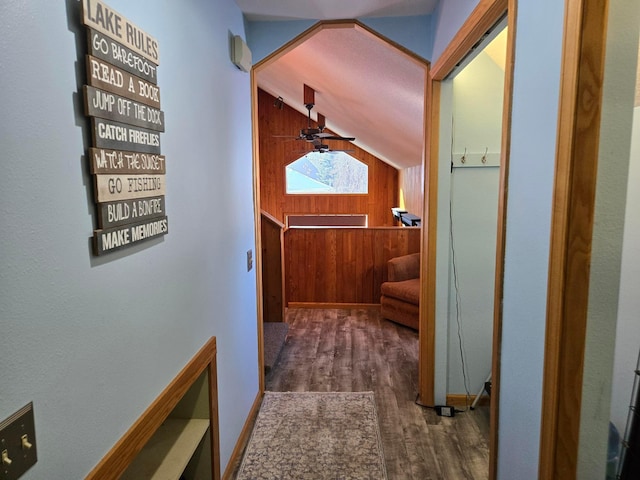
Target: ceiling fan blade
329,136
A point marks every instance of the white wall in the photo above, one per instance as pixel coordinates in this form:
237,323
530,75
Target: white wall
443,252
92,341
628,326
628,330
609,283
539,27
477,127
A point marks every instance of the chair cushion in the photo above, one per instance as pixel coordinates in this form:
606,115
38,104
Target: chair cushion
407,290
400,312
403,268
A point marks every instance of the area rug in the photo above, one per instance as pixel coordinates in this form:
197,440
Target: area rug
315,436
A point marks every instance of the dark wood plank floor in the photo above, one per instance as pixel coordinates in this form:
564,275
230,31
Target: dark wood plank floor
357,350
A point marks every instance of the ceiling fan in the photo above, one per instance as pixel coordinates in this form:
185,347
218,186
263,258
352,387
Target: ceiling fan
313,135
320,147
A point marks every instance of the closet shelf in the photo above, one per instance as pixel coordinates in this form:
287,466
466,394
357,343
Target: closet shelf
166,454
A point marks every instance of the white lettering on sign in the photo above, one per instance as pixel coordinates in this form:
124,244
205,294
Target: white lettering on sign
109,22
106,161
132,138
112,132
103,101
147,230
141,208
117,212
122,55
148,207
106,73
144,138
121,212
106,76
126,235
115,239
113,52
103,104
148,90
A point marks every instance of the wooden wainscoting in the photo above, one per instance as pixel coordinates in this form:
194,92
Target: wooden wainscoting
272,232
342,265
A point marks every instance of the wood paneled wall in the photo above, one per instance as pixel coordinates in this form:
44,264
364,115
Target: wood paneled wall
412,190
276,152
272,232
342,265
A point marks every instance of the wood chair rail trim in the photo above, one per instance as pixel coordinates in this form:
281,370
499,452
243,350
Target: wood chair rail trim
577,153
116,461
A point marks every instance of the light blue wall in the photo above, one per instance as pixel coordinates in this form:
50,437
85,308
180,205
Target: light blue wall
530,185
264,38
413,33
447,20
92,341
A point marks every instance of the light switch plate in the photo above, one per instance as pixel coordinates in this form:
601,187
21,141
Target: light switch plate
17,444
249,260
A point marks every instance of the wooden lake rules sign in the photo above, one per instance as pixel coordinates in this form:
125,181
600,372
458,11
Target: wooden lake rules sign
107,49
118,161
114,214
122,100
118,136
98,103
106,20
112,239
111,188
105,76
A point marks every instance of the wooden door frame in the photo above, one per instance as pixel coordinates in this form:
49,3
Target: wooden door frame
580,105
486,14
423,368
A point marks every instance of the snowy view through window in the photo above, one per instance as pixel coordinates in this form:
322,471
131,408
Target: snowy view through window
328,173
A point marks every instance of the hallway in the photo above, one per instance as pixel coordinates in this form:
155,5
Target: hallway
357,350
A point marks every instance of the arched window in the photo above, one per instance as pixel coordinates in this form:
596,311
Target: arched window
327,173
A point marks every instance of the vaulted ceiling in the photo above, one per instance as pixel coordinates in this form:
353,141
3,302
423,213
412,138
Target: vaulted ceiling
366,87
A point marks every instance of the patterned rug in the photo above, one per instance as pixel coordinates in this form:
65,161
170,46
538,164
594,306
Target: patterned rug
308,435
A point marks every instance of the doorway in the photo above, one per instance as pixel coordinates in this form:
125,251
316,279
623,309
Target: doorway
437,193
396,166
471,106
482,19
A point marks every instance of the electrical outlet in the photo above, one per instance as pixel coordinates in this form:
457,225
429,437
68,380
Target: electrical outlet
17,444
249,260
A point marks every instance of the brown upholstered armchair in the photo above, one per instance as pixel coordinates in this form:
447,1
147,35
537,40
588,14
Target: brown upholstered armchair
400,298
